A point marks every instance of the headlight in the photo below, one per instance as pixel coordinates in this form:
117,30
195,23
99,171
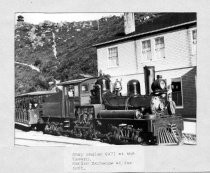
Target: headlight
162,84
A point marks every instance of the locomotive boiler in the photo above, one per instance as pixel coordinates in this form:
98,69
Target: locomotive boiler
86,108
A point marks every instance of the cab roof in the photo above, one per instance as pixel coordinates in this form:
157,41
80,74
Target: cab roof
37,93
75,81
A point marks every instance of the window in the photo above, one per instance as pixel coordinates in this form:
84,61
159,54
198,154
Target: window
146,50
76,91
194,36
177,96
194,41
159,48
72,91
113,57
84,88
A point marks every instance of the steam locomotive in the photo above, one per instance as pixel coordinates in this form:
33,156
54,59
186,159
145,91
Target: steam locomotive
86,108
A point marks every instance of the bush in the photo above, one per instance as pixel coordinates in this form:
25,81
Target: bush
37,62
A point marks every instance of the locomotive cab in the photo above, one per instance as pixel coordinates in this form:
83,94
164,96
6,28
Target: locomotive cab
76,93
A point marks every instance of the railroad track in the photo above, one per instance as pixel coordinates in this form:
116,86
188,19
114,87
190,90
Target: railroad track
41,142
34,138
40,139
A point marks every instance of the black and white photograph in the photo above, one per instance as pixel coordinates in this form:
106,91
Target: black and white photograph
104,86
105,79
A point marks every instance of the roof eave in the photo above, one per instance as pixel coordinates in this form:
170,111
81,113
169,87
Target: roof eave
142,34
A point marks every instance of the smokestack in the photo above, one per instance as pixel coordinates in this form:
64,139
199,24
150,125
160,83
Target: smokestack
149,77
129,23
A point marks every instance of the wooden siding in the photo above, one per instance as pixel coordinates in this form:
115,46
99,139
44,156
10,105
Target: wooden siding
126,57
177,54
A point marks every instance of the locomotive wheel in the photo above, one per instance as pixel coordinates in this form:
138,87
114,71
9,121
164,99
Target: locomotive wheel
52,128
85,134
47,128
91,134
78,133
56,129
117,136
107,138
59,131
139,139
34,128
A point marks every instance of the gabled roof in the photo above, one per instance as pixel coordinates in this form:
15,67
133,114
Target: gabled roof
162,23
75,82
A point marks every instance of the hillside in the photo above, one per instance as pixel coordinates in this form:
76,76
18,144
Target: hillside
60,51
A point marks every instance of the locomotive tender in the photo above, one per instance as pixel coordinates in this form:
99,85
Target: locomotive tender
86,108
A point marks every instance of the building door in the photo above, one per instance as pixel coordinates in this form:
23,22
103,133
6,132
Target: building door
177,96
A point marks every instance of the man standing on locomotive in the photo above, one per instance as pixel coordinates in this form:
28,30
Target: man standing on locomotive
117,87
